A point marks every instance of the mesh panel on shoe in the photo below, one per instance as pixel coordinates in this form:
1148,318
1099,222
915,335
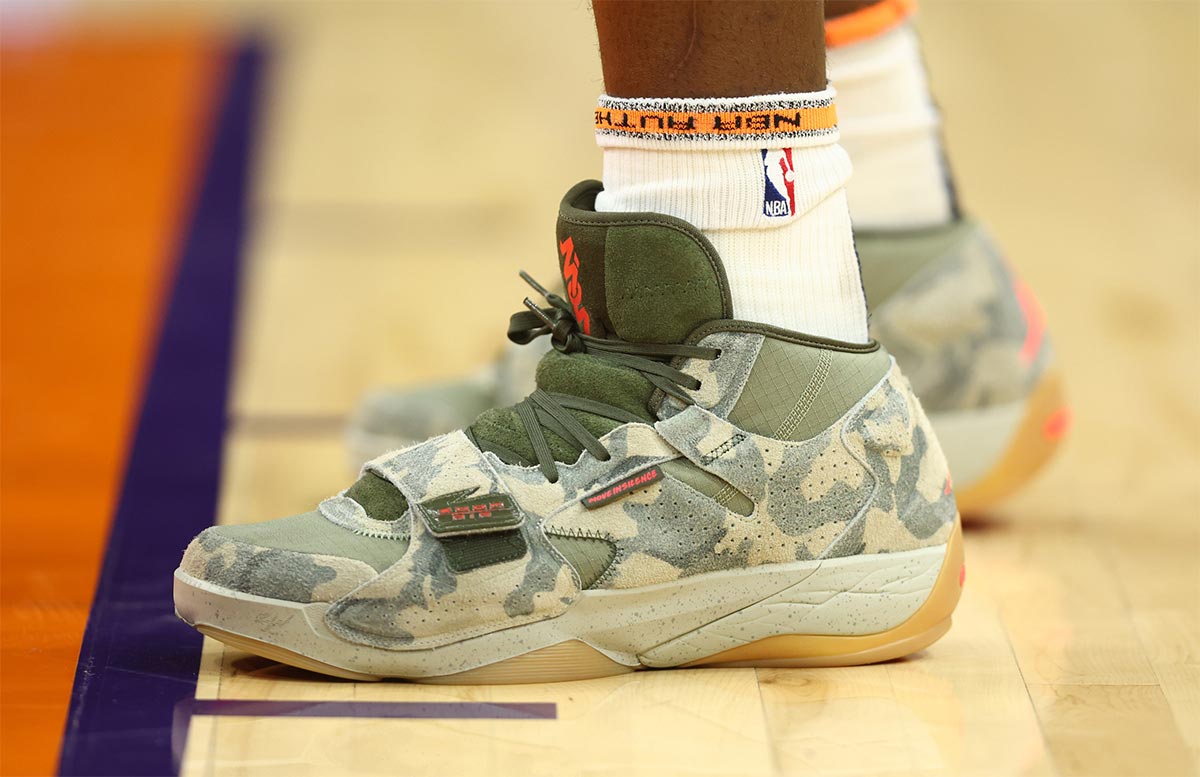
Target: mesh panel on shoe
312,533
796,391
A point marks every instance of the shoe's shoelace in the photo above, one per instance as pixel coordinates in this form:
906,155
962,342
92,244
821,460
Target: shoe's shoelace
548,410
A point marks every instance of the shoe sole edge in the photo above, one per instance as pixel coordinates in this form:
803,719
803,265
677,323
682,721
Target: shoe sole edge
226,615
1033,436
927,625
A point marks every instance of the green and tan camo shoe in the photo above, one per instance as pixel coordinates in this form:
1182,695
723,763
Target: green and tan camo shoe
681,489
972,339
965,330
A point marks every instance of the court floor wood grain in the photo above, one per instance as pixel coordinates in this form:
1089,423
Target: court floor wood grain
413,160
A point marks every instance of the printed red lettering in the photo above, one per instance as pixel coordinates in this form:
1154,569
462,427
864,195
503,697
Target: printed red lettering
573,284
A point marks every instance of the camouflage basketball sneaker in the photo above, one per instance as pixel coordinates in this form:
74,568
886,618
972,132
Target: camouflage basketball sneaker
966,331
971,338
681,489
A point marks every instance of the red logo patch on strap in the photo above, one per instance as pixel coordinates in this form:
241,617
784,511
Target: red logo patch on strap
623,487
460,513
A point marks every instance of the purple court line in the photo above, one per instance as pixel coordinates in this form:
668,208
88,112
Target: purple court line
373,709
135,682
137,660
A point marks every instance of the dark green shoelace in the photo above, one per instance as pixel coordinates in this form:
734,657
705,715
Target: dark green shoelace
548,410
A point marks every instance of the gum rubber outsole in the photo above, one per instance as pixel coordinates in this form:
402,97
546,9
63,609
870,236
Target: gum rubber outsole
574,660
1034,442
922,629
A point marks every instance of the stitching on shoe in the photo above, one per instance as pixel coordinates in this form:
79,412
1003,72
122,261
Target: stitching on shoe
855,415
778,333
589,534
804,404
618,558
723,448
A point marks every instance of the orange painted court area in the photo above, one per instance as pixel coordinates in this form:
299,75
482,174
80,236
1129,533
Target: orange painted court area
102,139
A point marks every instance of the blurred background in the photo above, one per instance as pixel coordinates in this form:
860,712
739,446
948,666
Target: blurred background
382,246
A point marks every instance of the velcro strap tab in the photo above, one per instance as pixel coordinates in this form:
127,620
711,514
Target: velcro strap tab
463,512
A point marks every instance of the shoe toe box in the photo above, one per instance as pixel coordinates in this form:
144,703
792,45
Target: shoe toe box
225,556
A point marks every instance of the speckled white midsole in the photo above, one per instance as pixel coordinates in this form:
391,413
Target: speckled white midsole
657,626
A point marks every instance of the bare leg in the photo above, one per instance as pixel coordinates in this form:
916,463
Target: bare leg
710,48
718,112
835,8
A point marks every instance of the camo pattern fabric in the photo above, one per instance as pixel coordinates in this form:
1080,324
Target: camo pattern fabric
421,602
270,572
721,379
872,483
967,333
875,482
633,447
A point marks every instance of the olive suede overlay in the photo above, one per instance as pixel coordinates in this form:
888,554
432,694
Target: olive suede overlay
378,497
643,277
579,375
638,277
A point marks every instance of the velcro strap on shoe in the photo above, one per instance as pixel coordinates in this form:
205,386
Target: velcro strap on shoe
465,513
483,565
447,467
460,500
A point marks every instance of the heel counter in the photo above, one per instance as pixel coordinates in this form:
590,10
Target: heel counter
933,504
966,329
1019,324
912,501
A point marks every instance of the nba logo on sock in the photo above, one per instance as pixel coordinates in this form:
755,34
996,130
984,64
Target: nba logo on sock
779,197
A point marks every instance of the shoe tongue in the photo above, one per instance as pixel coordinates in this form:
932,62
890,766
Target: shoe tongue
641,277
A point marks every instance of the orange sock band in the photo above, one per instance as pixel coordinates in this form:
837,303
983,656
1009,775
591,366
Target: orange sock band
775,121
867,22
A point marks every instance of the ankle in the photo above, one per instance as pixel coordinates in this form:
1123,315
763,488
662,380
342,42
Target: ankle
764,180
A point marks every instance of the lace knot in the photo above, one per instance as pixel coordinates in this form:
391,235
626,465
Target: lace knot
540,409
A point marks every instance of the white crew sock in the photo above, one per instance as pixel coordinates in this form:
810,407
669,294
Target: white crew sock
764,179
890,127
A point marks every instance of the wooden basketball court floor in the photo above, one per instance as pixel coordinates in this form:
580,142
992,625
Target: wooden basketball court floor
410,162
